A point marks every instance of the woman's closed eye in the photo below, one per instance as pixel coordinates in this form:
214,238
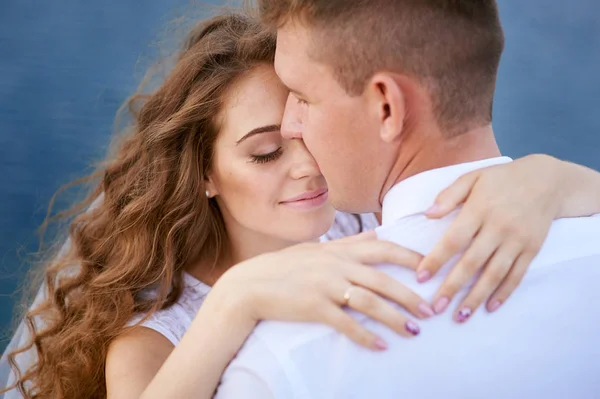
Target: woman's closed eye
264,158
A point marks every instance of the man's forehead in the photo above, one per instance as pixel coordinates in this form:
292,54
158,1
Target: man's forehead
291,56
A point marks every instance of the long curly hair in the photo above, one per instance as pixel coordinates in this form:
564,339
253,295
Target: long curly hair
149,217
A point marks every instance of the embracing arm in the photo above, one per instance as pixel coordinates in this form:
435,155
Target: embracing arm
308,282
144,364
582,191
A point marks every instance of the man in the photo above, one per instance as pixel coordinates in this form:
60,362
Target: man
394,99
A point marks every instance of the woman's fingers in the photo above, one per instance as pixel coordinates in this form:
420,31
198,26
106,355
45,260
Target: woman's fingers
492,277
372,252
458,236
476,256
364,236
450,198
511,281
340,320
367,302
380,283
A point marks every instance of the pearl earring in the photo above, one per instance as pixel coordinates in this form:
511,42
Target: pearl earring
207,194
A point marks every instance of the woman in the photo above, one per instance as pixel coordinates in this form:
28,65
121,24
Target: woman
199,193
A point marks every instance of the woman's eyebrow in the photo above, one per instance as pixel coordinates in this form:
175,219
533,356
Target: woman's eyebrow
259,130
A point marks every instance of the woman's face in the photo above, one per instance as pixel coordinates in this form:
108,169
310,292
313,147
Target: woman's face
268,189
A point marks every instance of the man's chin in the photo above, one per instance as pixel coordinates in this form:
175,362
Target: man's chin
344,202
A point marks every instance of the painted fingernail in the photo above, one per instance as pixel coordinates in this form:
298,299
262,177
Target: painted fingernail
433,209
494,305
463,314
423,276
380,344
412,327
441,305
426,310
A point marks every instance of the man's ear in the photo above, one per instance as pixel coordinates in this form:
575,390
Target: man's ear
388,97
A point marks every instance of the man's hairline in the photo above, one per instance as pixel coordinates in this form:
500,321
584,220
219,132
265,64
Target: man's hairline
310,53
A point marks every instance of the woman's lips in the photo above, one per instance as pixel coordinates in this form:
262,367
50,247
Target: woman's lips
308,200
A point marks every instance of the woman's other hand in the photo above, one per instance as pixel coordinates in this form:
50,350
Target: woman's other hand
506,215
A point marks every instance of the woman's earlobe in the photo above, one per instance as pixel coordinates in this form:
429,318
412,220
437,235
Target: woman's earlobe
210,189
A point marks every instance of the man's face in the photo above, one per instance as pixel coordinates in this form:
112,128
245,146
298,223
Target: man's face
340,130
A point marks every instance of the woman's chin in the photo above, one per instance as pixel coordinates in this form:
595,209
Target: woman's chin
305,232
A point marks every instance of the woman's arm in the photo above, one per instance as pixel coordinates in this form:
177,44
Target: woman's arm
309,282
144,364
581,191
133,360
195,366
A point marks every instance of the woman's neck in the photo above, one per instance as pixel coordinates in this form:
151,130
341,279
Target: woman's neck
243,244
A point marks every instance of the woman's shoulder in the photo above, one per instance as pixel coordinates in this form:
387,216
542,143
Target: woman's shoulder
174,321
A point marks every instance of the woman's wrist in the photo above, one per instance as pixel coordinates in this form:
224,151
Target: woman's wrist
228,304
581,195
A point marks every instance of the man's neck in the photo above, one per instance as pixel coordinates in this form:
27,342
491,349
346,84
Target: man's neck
422,152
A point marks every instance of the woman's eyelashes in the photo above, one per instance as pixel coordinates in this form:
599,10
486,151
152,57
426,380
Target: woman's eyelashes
264,158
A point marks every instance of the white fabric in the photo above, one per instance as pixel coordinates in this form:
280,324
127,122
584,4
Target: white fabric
346,225
174,321
543,342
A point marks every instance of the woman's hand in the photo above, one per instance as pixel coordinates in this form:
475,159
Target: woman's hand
313,282
506,216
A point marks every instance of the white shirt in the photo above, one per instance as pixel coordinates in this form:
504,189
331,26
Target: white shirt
543,342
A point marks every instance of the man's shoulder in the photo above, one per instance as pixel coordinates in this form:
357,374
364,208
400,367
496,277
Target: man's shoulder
283,337
570,238
416,232
272,352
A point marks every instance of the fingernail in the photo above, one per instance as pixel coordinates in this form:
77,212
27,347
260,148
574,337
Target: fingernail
426,310
463,314
494,305
380,344
441,305
423,276
435,208
412,327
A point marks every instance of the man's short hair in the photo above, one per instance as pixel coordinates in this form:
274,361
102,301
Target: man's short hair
453,47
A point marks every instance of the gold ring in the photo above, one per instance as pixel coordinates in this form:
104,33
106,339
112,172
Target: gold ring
347,295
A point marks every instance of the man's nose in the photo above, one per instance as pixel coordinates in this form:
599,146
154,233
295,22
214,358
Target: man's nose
303,164
291,125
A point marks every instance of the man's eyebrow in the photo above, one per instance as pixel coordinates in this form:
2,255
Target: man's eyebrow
295,92
259,130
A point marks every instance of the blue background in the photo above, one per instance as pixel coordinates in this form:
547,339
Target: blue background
66,66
